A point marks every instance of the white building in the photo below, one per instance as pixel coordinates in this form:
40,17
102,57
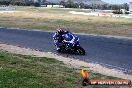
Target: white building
54,6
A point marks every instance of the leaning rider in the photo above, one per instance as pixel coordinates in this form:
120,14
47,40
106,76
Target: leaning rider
58,38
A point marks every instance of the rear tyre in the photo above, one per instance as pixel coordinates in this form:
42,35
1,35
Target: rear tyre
80,51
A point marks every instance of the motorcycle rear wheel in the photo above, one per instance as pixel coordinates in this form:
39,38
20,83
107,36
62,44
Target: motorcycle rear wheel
80,50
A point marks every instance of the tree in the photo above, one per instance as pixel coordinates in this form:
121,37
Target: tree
36,4
69,4
45,3
5,2
82,5
126,6
17,2
29,3
62,3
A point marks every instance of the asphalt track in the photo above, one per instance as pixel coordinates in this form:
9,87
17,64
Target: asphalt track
111,52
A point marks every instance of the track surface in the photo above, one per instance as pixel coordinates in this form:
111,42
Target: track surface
111,52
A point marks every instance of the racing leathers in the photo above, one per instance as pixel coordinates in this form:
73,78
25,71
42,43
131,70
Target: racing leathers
58,40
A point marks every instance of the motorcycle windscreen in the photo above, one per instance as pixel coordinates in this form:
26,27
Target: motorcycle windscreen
68,37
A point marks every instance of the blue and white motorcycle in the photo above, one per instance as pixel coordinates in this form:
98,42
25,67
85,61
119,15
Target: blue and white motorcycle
71,44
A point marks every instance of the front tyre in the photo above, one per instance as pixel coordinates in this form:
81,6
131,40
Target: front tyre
80,50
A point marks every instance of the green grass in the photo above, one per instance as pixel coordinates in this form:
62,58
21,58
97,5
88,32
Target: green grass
35,72
50,10
20,71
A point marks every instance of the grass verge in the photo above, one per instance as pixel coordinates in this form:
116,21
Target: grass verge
49,19
20,71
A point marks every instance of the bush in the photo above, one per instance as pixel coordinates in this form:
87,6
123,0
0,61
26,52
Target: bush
117,12
4,2
36,4
127,13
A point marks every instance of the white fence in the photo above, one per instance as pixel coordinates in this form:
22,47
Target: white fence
52,6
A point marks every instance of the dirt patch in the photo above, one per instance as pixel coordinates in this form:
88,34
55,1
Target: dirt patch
77,64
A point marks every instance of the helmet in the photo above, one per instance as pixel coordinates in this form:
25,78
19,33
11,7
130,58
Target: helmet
60,31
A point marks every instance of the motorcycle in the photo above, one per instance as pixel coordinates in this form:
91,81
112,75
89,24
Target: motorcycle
71,44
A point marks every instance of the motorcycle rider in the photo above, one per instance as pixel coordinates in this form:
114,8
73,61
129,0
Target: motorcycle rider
65,41
58,38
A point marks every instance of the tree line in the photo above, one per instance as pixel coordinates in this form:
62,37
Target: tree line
67,4
70,4
19,3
